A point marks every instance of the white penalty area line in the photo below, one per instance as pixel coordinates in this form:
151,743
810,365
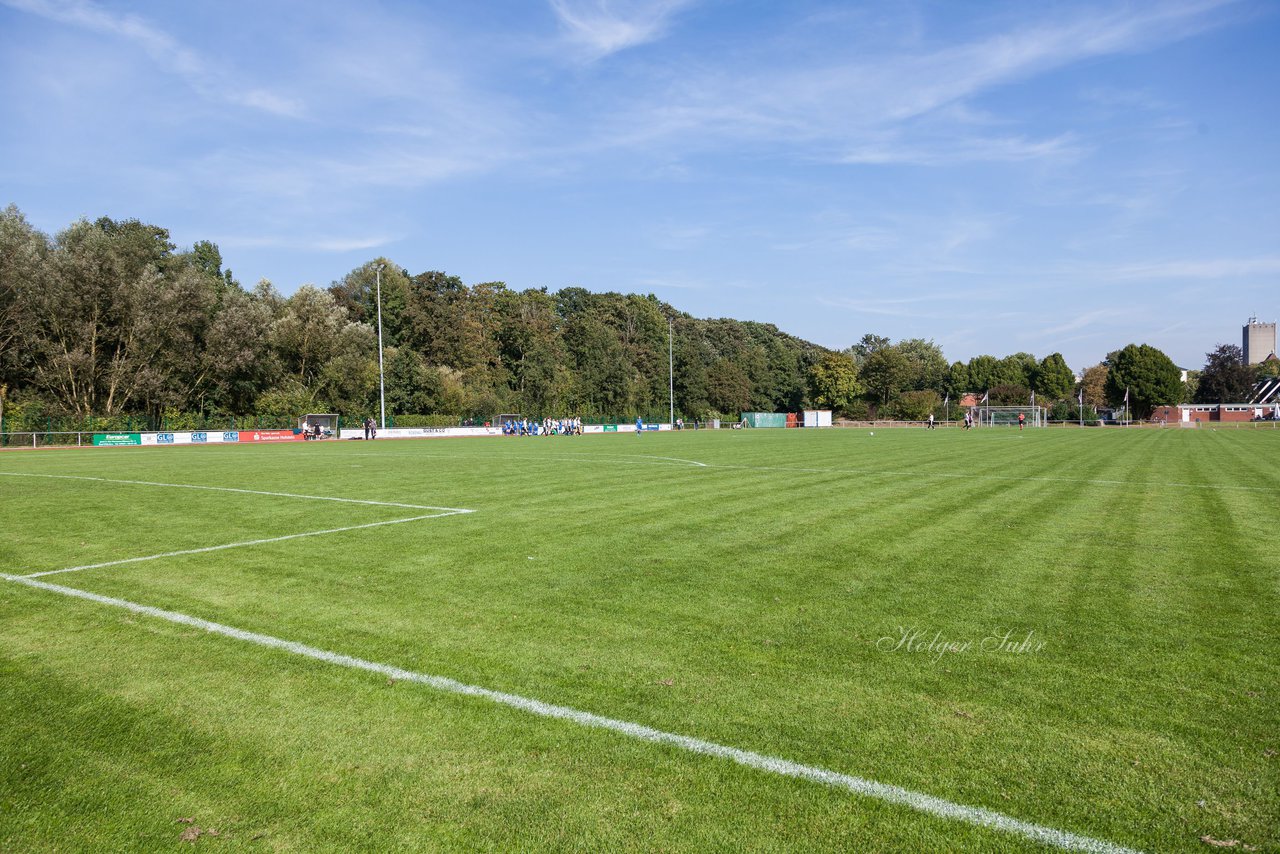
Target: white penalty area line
446,510
242,544
770,764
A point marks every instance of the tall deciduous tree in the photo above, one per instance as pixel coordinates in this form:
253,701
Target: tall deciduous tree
833,381
306,334
23,269
984,372
1146,374
867,345
885,372
98,324
1053,379
927,367
1093,383
238,360
1225,378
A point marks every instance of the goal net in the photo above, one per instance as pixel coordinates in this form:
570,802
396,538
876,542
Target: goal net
1007,416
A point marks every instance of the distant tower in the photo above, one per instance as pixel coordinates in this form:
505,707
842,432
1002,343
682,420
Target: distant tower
1259,341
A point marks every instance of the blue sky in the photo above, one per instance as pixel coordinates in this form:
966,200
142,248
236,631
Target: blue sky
1052,176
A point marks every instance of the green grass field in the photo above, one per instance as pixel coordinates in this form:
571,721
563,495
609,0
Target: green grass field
751,589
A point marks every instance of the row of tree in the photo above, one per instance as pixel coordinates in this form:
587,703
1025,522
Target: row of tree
110,317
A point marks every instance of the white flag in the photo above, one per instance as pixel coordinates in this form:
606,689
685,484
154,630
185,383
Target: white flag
984,397
1126,395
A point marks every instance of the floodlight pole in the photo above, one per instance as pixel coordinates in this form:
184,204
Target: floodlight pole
671,371
382,383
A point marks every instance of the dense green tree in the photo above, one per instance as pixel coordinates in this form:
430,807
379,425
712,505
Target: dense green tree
1018,369
927,368
728,388
533,353
357,294
867,345
412,385
1147,375
984,372
915,406
884,372
206,258
348,382
238,359
833,382
1009,395
96,328
1053,379
1225,378
24,256
306,333
958,382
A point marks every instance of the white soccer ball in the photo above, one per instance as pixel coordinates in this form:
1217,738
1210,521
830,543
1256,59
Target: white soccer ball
873,432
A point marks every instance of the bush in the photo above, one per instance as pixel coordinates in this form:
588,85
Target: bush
915,406
859,410
414,420
1069,410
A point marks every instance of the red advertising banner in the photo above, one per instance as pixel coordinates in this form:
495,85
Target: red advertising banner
269,436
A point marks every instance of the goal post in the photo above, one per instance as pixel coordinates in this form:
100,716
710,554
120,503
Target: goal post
1007,416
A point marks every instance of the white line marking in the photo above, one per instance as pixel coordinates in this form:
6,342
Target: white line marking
240,491
239,545
771,764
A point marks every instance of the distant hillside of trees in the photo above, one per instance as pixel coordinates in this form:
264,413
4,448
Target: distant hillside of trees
109,318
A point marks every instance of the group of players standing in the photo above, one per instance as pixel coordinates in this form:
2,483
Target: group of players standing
546,427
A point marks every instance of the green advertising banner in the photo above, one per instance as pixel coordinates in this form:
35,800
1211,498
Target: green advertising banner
611,428
117,439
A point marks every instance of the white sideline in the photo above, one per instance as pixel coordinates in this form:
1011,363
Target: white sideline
240,545
235,489
771,764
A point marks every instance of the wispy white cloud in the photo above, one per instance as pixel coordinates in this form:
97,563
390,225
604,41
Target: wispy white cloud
870,110
964,150
603,27
1213,268
163,49
1087,321
918,306
307,244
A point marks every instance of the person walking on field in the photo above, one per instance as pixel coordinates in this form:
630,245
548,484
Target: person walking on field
930,420
639,425
1022,421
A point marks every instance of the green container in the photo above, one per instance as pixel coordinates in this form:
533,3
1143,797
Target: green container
765,419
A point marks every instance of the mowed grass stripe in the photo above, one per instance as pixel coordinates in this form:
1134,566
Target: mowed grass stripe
770,764
327,758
